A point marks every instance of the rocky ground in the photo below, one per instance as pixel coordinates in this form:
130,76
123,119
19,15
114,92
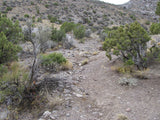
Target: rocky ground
94,14
144,7
92,91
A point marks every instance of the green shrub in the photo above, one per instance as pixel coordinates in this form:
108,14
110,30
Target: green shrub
53,58
155,28
9,9
37,9
11,30
26,16
46,5
8,51
79,31
130,43
133,17
52,19
32,3
158,9
33,18
55,4
147,22
111,22
39,19
86,20
65,8
67,26
94,11
57,35
105,17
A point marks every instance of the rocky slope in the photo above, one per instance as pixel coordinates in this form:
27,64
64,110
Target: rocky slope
144,7
94,14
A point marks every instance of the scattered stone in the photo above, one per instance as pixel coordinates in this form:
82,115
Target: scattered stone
52,117
4,114
68,115
46,114
78,95
128,110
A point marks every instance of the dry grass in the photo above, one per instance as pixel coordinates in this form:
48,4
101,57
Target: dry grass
141,74
123,69
67,66
121,117
95,53
53,100
84,62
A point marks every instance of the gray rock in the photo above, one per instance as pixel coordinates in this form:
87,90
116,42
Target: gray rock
88,32
68,42
46,114
4,114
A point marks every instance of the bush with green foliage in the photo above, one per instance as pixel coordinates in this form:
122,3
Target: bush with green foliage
11,30
57,35
53,61
46,5
8,50
8,9
155,28
55,4
158,9
147,22
39,19
79,31
133,17
130,43
26,16
32,3
52,19
52,58
67,26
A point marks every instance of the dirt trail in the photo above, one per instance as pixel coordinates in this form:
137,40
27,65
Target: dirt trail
137,103
103,98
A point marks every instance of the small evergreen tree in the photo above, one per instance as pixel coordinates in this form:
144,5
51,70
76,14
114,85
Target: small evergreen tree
79,31
67,26
11,30
57,35
8,51
128,42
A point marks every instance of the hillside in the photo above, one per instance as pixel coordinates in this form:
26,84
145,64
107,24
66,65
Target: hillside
61,70
94,14
144,7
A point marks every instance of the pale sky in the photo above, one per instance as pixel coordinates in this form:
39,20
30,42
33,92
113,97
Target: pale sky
117,2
